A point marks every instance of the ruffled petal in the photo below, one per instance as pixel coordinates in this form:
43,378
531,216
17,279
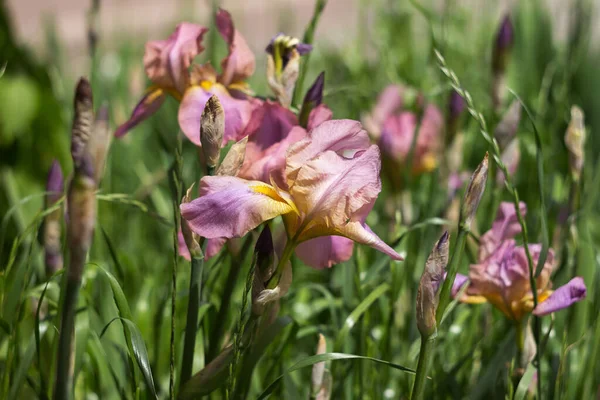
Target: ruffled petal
506,226
230,207
240,62
562,297
167,61
149,104
339,136
237,112
325,251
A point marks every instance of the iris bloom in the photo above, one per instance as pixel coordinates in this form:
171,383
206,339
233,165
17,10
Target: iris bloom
502,275
168,64
331,181
394,127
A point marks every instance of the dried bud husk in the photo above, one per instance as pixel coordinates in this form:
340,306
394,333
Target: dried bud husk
507,127
431,280
52,223
313,98
283,66
474,193
321,378
234,159
192,240
575,141
83,120
212,129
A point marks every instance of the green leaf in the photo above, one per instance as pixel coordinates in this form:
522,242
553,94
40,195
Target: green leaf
209,378
359,311
524,383
328,357
133,337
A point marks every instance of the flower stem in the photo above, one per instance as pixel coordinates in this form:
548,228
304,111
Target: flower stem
425,356
288,250
191,326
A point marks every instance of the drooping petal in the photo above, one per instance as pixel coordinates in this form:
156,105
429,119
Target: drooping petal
318,115
562,297
325,251
237,112
230,207
361,233
506,226
213,247
240,62
182,247
149,104
339,136
167,61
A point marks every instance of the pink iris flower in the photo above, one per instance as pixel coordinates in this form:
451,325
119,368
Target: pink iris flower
502,275
168,64
329,183
394,128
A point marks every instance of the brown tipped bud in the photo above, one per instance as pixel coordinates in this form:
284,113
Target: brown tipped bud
82,219
575,141
321,378
192,240
234,159
431,280
83,120
474,193
212,128
507,128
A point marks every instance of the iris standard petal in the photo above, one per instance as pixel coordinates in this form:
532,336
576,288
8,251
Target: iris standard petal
240,62
167,61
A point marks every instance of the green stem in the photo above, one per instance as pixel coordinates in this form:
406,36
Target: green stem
425,356
216,334
64,366
308,39
191,326
288,250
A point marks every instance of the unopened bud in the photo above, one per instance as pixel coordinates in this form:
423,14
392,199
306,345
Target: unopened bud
83,120
212,129
456,106
192,240
81,201
507,127
283,66
52,222
233,161
431,280
500,57
474,193
321,378
313,98
575,141
264,260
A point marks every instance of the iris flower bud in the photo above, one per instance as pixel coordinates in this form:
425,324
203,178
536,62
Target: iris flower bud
474,193
212,129
431,280
575,141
